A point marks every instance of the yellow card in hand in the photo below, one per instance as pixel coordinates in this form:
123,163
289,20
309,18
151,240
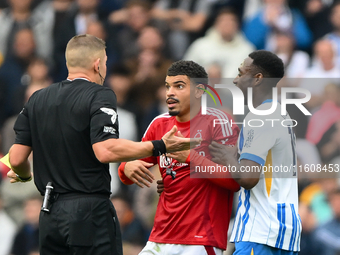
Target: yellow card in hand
5,160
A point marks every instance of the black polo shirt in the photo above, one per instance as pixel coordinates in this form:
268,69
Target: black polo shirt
60,123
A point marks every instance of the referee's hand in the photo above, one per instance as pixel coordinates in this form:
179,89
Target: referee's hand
138,172
175,143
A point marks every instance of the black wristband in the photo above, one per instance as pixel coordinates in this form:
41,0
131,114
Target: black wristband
24,179
159,148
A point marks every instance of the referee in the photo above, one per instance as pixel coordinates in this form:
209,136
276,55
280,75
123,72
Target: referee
72,127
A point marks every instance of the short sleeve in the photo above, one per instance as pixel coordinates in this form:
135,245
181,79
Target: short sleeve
104,117
22,128
255,142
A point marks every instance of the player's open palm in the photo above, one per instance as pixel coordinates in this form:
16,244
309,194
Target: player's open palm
177,143
138,172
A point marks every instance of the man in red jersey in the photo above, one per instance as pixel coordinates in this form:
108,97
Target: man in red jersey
193,214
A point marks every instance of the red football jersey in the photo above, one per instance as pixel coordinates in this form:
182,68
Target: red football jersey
192,210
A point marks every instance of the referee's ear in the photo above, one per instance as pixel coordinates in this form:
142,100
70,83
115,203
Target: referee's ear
96,65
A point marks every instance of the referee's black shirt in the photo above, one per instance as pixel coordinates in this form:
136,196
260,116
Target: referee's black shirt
61,123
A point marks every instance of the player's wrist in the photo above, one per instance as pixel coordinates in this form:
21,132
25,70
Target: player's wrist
159,147
24,179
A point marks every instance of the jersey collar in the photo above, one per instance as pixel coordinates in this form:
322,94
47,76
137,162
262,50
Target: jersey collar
79,79
267,101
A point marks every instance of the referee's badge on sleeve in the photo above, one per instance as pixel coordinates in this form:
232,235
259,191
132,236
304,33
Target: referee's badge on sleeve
110,111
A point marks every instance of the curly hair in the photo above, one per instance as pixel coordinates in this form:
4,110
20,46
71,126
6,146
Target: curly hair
190,69
270,65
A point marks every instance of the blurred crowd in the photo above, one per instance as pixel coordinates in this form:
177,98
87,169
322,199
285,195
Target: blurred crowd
143,38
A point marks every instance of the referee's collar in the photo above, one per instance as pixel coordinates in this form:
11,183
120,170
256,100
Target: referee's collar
79,79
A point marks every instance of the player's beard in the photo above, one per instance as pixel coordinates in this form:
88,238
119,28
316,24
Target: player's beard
173,113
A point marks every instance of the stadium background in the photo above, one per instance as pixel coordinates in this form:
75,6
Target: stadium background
143,39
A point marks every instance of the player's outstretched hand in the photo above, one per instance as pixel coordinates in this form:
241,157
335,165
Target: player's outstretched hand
221,154
160,186
138,172
180,156
176,143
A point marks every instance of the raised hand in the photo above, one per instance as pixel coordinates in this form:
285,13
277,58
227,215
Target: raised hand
180,156
176,143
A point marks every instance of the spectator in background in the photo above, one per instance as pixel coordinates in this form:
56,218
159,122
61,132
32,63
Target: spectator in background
21,16
148,69
317,13
98,29
14,196
133,232
186,20
27,238
62,9
223,44
119,81
327,236
277,16
308,222
134,18
38,77
315,196
325,68
14,67
334,35
296,61
75,23
3,93
322,125
7,231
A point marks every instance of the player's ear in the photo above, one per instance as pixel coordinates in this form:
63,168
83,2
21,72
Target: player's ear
96,65
258,79
199,90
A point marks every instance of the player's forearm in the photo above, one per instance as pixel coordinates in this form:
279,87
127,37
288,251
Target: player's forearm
222,179
245,179
124,179
121,150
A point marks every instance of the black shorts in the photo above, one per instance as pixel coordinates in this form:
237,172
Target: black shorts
86,225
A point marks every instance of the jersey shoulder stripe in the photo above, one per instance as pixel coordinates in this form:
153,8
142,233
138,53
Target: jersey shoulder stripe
164,115
226,128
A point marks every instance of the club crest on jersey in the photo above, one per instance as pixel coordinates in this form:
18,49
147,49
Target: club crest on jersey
164,162
198,135
250,137
110,111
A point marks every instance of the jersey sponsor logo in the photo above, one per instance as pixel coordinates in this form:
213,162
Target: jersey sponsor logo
110,111
250,137
168,162
110,130
223,141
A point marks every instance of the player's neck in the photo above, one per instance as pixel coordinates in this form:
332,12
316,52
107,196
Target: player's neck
258,100
189,115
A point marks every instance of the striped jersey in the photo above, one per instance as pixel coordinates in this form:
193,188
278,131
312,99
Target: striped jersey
268,213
